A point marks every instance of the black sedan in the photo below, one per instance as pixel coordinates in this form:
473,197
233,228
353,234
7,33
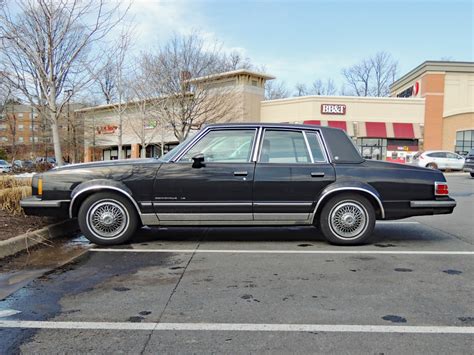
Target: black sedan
243,174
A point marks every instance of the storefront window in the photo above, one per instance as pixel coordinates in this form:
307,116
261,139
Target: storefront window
372,148
464,142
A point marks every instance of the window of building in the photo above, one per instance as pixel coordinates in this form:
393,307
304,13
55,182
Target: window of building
3,127
20,127
464,141
373,148
20,139
20,115
3,139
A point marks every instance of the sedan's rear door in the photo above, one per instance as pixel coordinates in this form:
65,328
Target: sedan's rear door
291,170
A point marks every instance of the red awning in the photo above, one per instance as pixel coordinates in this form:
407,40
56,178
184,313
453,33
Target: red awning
338,124
376,130
403,130
315,122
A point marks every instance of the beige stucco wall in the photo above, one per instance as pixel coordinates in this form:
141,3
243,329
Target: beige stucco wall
453,124
458,93
358,109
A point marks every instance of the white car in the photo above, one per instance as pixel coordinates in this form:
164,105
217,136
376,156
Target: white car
439,159
5,167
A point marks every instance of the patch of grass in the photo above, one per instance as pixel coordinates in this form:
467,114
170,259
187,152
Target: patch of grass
7,182
12,190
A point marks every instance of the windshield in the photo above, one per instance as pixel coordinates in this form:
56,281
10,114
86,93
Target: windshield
168,156
3,162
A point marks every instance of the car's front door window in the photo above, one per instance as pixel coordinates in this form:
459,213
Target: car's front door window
284,147
224,146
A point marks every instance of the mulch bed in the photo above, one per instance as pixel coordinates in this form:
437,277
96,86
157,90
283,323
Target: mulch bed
11,226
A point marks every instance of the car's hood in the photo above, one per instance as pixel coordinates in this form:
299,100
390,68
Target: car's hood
106,163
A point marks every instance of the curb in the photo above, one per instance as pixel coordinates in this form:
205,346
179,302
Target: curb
41,236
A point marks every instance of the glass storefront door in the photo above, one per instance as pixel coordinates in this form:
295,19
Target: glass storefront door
373,148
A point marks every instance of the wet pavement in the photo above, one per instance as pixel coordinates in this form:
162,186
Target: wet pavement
204,290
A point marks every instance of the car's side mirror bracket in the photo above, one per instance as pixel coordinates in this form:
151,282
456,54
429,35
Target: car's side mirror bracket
198,161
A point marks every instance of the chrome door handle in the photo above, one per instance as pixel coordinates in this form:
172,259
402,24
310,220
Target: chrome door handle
240,173
317,174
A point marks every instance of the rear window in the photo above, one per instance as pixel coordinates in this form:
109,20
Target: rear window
341,148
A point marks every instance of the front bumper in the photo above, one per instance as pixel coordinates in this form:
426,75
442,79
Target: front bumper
469,167
35,206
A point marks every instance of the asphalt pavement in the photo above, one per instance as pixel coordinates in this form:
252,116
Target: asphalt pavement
259,290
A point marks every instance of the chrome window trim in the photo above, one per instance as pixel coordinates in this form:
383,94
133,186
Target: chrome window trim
322,146
102,187
208,130
278,128
257,145
382,210
308,148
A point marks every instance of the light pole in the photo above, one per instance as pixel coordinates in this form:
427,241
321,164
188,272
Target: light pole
69,94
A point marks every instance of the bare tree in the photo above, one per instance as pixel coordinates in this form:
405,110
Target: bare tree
190,103
142,114
385,71
358,77
372,76
320,87
275,89
301,90
46,46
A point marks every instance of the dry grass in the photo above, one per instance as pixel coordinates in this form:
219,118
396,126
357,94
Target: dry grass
12,190
9,181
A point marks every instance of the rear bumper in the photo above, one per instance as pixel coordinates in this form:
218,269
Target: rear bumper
433,204
469,167
34,206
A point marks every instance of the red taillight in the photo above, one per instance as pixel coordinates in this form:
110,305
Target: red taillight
441,188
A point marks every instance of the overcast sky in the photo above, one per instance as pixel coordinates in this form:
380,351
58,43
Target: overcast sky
299,41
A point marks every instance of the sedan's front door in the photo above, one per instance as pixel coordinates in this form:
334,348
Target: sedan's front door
291,172
211,181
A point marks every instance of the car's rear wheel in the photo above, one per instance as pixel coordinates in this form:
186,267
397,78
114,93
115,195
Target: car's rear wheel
432,166
347,219
107,218
472,174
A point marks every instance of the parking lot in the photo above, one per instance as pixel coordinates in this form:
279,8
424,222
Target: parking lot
279,290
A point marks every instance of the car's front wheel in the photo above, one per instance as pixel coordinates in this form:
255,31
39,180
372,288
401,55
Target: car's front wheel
347,219
107,218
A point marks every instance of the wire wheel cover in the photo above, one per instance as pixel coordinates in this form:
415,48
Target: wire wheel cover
107,219
348,219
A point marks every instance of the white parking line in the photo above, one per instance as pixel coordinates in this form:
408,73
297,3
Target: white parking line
246,327
243,251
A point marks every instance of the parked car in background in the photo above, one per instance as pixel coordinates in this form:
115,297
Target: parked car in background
469,163
5,167
23,164
439,159
242,174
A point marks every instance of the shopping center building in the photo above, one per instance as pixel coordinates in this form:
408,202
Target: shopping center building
430,107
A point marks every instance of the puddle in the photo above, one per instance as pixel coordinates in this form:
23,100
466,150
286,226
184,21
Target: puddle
18,271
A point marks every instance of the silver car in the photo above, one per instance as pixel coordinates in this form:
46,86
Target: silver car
439,159
5,167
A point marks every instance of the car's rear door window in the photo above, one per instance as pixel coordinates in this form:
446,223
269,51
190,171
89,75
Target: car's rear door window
284,147
316,148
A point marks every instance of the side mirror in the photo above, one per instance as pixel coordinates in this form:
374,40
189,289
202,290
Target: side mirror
198,161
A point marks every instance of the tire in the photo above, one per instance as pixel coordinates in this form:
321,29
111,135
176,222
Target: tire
358,224
432,166
115,217
472,174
